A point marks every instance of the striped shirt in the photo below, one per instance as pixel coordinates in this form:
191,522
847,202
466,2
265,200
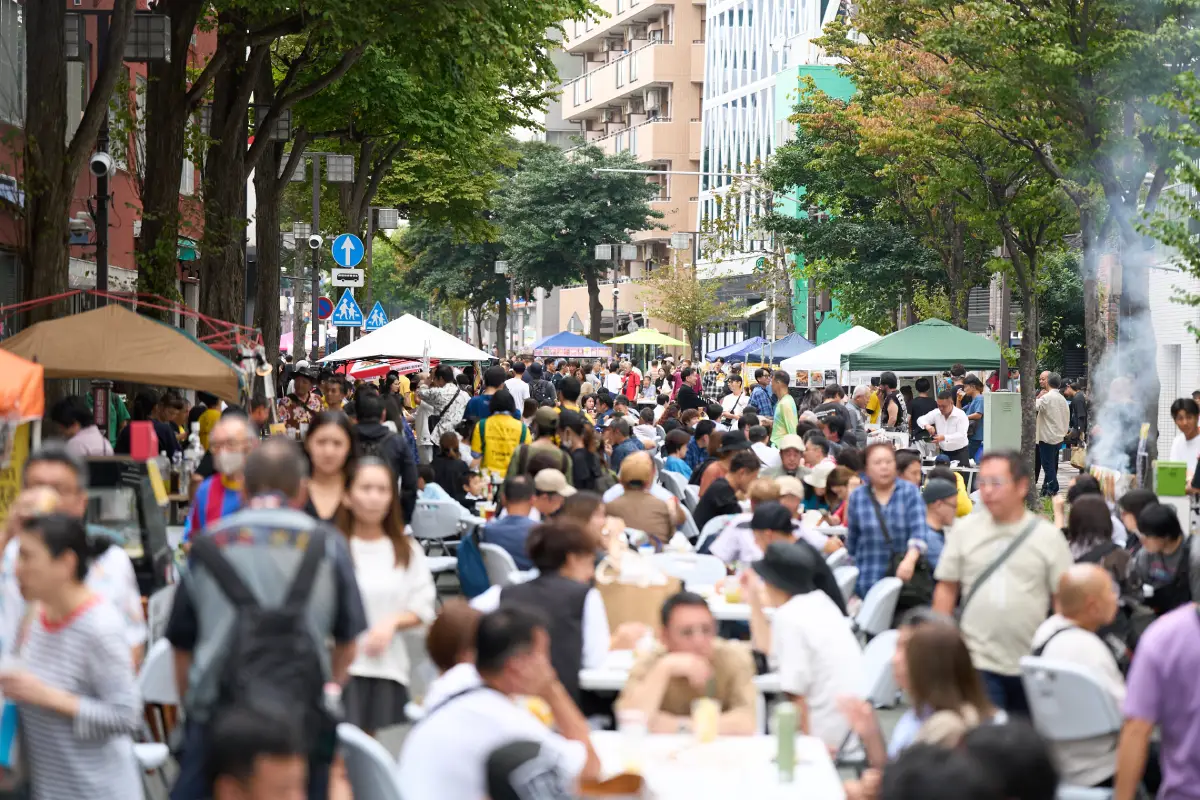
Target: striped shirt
90,756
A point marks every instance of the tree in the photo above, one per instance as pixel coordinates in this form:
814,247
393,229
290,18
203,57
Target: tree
51,164
556,208
679,296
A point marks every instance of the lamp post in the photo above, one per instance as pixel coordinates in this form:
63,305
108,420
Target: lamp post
501,268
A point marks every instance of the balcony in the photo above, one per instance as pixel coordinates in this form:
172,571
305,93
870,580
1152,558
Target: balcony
695,129
697,62
649,66
584,35
679,214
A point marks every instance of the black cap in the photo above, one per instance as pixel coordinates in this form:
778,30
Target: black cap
733,441
520,771
938,489
571,419
772,516
787,566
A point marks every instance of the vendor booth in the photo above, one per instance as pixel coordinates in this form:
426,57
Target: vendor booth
408,337
21,393
570,345
735,353
828,357
647,336
932,346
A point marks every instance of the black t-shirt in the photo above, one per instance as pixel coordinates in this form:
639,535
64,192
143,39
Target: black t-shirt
205,468
687,398
719,499
920,407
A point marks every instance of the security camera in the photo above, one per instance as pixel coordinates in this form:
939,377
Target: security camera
616,292
102,165
314,242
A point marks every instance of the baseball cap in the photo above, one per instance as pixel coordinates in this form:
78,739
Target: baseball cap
552,481
546,419
791,442
819,474
789,486
771,516
734,441
938,489
522,771
787,566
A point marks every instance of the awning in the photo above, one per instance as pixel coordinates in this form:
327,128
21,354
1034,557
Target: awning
187,249
930,346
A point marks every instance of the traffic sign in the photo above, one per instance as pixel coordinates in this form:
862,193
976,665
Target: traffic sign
349,277
347,314
376,319
324,308
347,250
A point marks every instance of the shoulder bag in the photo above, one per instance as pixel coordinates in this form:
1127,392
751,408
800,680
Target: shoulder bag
917,590
995,565
436,419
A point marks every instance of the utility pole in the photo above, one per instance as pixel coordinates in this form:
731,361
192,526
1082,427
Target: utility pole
616,251
316,251
102,188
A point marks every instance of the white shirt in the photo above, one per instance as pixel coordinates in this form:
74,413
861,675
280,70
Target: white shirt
734,404
519,389
596,636
656,489
1187,451
1084,762
658,413
818,658
613,383
445,756
768,455
954,427
387,590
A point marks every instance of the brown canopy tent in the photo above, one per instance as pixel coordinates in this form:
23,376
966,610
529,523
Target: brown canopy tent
114,343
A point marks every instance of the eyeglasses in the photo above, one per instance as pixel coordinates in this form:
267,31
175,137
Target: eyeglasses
688,631
994,482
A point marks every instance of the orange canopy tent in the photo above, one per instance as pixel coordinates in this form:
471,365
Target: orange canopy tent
21,391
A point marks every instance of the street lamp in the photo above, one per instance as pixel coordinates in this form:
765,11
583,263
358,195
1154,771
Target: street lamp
501,268
626,252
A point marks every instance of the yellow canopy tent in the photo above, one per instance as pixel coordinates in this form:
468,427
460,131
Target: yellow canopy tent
114,343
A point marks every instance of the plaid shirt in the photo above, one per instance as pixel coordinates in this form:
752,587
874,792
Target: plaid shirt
712,387
905,516
763,401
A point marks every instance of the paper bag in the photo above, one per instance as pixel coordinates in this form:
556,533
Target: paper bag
627,602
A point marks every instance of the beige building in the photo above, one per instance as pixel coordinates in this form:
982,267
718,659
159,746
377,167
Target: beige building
640,92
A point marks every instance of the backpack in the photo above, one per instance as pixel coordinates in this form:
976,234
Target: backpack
543,390
375,448
272,658
472,574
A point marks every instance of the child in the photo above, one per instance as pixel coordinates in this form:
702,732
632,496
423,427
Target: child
675,448
1128,507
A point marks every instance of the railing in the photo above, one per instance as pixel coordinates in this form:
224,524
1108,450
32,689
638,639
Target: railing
622,72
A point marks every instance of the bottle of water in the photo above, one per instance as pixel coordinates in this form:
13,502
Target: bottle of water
177,485
785,738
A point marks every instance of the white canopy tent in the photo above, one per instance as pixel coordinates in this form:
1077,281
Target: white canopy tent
828,356
408,337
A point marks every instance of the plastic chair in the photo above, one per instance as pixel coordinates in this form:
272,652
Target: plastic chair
439,564
688,526
435,523
838,558
712,529
691,568
691,496
158,611
846,577
1066,702
156,684
370,769
879,684
674,483
878,607
499,564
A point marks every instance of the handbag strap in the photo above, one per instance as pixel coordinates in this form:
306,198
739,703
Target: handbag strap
883,528
449,402
995,565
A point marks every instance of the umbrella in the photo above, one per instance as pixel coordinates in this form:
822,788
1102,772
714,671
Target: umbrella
369,368
647,336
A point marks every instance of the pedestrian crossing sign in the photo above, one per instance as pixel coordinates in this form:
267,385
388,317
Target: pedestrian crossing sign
347,314
376,319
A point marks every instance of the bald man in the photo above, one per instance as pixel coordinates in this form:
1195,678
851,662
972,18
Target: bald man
1086,601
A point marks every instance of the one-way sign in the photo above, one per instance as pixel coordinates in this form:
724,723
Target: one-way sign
349,277
347,250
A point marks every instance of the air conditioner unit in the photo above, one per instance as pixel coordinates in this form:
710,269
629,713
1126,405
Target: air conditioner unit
606,115
634,105
653,99
656,35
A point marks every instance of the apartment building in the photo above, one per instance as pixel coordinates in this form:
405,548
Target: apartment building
639,92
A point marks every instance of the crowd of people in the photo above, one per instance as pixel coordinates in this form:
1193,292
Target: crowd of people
300,577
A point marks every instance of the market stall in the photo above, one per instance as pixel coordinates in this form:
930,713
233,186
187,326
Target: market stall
733,353
932,346
647,336
408,337
826,358
21,393
570,345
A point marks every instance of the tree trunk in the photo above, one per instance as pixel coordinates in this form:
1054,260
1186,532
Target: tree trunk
502,328
1095,336
479,327
166,125
1024,268
595,309
222,266
1137,339
266,226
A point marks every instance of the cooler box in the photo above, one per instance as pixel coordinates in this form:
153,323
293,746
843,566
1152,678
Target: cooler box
1170,478
143,441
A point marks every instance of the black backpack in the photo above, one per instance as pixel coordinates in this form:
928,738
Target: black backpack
375,448
272,659
543,390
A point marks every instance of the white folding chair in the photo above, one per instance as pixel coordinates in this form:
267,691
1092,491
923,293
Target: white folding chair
838,558
370,768
846,577
691,496
688,526
712,529
674,483
691,568
158,611
499,564
156,684
1067,703
435,524
879,684
878,607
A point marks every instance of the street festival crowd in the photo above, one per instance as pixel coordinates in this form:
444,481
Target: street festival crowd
300,575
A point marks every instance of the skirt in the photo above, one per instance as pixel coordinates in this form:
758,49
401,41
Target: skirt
374,703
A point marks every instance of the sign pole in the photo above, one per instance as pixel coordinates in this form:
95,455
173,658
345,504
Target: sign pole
316,251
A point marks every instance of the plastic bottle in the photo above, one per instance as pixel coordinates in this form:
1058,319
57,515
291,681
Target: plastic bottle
785,739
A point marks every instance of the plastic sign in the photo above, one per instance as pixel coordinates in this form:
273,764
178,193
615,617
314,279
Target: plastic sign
347,314
349,277
347,250
377,318
324,308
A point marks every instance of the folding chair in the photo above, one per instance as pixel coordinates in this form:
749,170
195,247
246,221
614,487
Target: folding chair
691,497
879,684
501,569
436,524
847,578
878,607
674,483
838,558
370,768
712,529
156,684
1067,703
688,526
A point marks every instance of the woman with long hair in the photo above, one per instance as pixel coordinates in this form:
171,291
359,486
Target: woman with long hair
1089,535
331,446
578,438
449,470
397,591
75,688
943,685
837,492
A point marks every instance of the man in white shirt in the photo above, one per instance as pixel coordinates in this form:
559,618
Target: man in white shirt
517,386
1086,601
769,456
947,424
1053,422
613,380
734,403
445,756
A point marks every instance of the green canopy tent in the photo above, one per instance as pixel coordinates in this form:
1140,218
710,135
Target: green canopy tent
930,346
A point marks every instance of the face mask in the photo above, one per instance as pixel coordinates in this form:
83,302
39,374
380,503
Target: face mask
229,463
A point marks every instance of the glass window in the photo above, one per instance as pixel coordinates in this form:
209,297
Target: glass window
12,62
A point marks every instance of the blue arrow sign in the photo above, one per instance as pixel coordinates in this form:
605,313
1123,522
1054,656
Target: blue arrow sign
376,319
347,314
347,250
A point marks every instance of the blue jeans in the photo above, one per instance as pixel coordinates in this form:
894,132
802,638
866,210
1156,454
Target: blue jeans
192,783
1005,691
1048,463
975,448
